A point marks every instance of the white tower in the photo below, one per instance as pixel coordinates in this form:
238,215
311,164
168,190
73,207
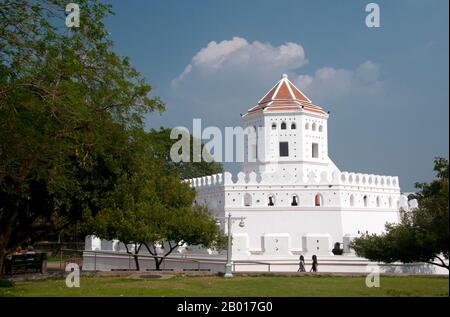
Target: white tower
292,133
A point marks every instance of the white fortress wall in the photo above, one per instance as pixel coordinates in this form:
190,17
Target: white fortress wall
351,202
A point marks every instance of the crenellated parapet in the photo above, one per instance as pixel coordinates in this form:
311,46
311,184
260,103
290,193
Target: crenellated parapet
334,178
207,181
368,180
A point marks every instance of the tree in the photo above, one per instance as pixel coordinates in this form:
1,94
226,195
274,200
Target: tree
162,144
152,207
72,144
132,219
68,109
423,233
156,211
193,226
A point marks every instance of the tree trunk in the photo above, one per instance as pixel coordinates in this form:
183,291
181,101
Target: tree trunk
154,253
136,261
159,260
171,248
5,236
135,257
2,256
158,264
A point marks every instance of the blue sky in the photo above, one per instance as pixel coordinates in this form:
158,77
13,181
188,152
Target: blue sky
386,88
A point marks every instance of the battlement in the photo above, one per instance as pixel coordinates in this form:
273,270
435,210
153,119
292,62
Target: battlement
335,178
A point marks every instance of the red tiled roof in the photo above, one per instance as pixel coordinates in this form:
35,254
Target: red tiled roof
285,96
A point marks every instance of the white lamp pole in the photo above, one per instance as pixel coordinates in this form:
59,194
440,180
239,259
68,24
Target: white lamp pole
228,266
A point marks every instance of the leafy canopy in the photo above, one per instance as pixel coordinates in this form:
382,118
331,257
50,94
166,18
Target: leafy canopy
423,233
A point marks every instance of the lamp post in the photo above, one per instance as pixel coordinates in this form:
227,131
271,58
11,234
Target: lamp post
228,266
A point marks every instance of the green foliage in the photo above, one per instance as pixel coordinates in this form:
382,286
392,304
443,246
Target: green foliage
68,105
153,207
162,144
6,283
73,152
422,235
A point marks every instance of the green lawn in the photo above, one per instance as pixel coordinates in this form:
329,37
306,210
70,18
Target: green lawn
237,286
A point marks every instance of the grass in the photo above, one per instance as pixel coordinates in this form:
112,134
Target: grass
237,286
55,258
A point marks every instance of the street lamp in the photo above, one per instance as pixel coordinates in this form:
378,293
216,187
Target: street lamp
228,266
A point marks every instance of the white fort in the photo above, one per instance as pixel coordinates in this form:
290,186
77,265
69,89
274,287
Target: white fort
295,200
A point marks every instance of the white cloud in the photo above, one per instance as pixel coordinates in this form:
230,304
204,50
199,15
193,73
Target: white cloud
330,84
239,56
226,78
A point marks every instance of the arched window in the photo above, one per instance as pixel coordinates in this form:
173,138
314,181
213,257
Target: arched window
320,128
314,126
378,202
293,126
283,125
390,202
294,200
247,200
307,126
271,201
352,200
274,126
365,200
318,200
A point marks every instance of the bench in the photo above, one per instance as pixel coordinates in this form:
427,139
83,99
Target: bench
25,263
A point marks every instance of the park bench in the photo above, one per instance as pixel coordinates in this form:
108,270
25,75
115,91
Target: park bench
25,263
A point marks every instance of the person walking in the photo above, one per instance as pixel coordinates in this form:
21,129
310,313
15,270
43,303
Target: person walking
315,264
301,264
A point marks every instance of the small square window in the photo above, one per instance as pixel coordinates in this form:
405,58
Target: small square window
284,149
315,150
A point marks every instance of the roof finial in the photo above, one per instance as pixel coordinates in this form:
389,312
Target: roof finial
284,76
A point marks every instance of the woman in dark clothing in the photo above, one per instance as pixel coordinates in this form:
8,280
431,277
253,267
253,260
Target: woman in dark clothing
301,264
314,264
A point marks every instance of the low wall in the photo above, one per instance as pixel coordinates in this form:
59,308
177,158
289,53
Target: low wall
334,264
121,261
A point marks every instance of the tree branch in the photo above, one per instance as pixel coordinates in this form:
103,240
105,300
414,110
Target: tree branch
442,261
437,264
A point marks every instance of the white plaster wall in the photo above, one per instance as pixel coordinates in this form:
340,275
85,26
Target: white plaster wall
294,223
370,220
276,244
317,243
241,244
336,216
92,243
